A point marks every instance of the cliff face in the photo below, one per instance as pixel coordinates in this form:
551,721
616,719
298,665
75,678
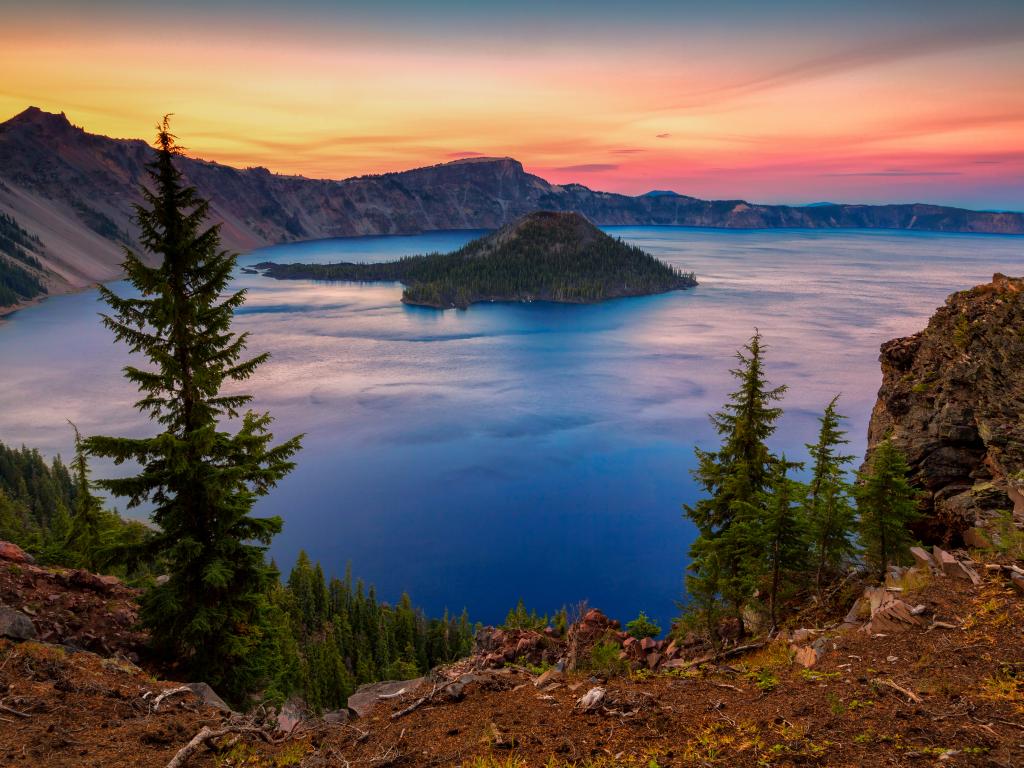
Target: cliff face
952,398
76,190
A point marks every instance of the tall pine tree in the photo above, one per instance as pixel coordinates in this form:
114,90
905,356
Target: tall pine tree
886,505
201,479
784,537
735,478
829,510
85,537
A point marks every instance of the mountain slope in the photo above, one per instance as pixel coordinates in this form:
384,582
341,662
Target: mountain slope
75,191
543,256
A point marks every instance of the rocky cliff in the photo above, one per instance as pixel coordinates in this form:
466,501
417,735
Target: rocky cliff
75,191
952,398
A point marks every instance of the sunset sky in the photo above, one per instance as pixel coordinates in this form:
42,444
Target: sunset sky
768,101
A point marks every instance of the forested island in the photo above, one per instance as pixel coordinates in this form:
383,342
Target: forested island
543,256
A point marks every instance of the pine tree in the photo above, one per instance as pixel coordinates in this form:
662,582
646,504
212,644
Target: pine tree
735,477
886,504
85,537
201,480
830,513
784,536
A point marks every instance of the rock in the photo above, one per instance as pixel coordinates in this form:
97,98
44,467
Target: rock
945,562
591,700
86,580
367,696
1018,581
945,401
162,579
823,646
592,629
895,616
806,656
801,636
967,572
648,644
859,611
548,677
878,598
12,553
335,716
208,696
672,650
653,659
922,558
15,625
293,712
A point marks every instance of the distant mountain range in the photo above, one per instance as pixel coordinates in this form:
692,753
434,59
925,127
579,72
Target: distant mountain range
75,191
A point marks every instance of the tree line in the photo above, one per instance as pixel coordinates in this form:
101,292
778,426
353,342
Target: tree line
19,268
765,538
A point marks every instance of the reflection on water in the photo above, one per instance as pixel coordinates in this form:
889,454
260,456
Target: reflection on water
536,451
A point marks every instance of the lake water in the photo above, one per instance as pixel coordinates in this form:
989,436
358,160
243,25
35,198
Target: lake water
536,451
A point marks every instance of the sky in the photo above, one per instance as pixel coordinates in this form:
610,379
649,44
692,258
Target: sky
778,102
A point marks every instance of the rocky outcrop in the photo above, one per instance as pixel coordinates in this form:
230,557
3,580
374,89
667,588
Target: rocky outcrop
73,608
952,400
75,191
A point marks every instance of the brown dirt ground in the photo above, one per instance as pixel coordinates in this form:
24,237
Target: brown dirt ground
761,710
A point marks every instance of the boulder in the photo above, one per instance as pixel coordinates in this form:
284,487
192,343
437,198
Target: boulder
12,553
293,712
823,646
335,716
921,557
653,659
208,696
895,616
945,562
15,625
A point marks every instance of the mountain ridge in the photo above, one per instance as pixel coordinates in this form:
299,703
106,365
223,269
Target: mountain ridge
75,191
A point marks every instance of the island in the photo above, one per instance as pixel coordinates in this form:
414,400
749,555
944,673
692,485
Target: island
543,256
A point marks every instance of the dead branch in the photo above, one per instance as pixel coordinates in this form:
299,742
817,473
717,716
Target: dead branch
395,695
15,712
157,701
906,692
420,702
740,649
206,736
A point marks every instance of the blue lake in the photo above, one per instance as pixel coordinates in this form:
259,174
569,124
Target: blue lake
535,451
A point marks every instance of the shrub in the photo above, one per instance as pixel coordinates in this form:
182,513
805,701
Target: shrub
642,627
604,659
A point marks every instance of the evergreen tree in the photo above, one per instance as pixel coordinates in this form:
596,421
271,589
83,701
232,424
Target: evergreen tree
725,557
830,513
886,504
784,536
85,537
202,480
